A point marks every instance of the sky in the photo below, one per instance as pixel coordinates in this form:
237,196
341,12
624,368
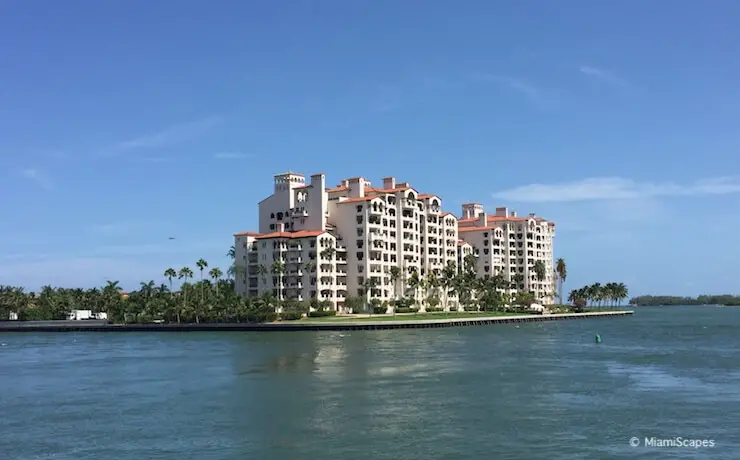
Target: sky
124,123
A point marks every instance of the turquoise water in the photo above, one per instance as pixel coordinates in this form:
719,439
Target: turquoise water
537,391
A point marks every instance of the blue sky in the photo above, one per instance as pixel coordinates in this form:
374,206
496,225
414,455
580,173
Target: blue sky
124,123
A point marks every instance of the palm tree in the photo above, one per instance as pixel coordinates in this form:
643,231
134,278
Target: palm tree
431,283
278,268
185,273
447,280
622,292
216,274
562,270
414,282
368,286
540,271
395,274
169,274
202,265
262,271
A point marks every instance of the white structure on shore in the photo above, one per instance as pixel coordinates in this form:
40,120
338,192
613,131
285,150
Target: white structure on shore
326,243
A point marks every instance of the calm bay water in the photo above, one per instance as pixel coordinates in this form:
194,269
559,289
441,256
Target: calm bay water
542,390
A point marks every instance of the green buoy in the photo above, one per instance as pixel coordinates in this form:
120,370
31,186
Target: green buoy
597,338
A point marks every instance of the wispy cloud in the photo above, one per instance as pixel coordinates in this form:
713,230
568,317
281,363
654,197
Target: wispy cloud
602,74
232,156
168,136
617,188
513,83
38,177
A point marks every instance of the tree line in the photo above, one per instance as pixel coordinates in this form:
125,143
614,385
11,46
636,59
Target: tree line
598,295
212,298
667,300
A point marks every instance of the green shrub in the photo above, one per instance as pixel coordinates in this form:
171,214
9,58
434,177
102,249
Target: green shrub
470,308
406,310
290,316
322,313
434,309
579,305
379,310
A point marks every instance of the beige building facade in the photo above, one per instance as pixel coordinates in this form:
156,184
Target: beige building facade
328,243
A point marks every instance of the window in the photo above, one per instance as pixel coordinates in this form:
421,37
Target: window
272,226
280,216
272,215
359,208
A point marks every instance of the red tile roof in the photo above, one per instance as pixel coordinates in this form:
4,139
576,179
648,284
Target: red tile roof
298,234
340,188
472,229
386,190
358,199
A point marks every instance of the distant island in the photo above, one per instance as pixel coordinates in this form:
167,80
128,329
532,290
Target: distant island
668,300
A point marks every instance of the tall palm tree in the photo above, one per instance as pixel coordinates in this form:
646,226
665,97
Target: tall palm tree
185,273
430,284
262,271
395,274
368,286
414,282
562,270
447,280
622,292
169,274
278,269
540,272
202,265
216,274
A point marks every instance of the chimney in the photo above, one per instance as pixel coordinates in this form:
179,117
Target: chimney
502,212
513,214
318,181
389,182
531,214
356,187
482,219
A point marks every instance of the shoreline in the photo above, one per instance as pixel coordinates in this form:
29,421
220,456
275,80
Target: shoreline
303,325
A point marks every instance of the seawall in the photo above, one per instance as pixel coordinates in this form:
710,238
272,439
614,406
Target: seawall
303,325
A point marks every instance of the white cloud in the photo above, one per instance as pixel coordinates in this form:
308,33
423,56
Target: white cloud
602,74
232,156
616,188
37,176
171,135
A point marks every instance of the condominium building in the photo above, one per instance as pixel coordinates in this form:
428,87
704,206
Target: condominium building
315,241
511,245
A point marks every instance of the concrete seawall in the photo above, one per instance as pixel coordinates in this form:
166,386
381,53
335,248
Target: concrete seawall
304,325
